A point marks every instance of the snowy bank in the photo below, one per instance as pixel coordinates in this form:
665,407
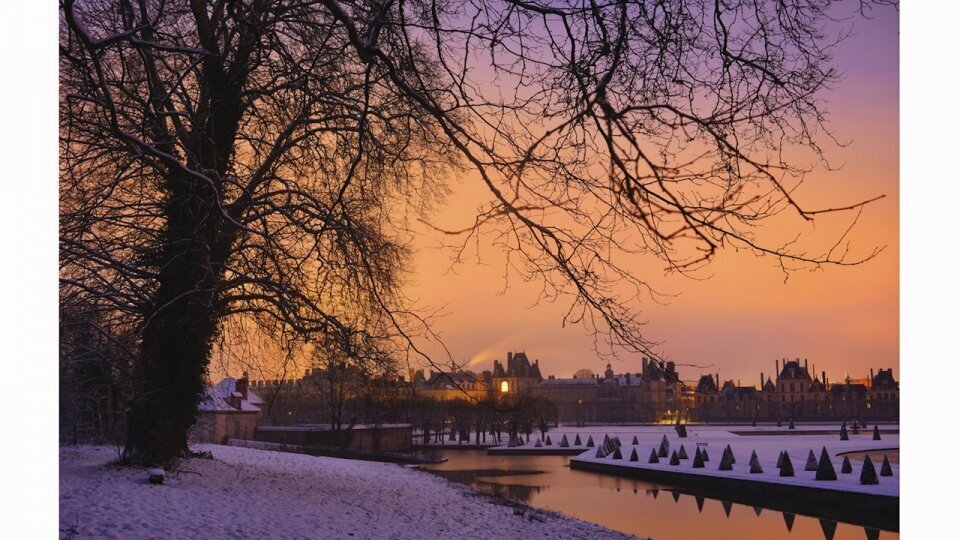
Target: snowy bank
245,493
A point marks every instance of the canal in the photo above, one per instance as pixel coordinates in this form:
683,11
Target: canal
632,506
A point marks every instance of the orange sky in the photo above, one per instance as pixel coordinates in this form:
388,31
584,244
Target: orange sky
744,317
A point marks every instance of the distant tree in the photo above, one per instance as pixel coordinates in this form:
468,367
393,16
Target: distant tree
260,159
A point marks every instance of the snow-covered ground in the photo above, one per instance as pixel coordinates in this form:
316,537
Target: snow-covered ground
246,493
768,447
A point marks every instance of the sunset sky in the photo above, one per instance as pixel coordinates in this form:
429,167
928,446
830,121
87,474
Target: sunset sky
740,316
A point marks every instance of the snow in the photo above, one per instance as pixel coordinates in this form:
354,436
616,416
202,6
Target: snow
215,398
245,492
768,447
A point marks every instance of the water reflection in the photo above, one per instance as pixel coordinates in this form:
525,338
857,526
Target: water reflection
633,506
829,528
788,519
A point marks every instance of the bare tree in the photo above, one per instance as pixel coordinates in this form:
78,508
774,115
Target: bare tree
225,158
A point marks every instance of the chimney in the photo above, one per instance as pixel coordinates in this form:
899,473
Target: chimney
761,380
805,366
871,377
242,384
823,378
718,380
644,370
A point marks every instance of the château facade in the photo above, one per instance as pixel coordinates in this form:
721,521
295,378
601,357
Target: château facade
798,394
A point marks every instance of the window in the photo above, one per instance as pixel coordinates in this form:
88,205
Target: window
504,387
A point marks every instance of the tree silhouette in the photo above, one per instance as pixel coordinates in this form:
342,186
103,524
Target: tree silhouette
235,163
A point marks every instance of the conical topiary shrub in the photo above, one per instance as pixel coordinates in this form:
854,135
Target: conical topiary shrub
825,467
786,467
885,469
755,467
791,426
664,450
549,442
706,457
868,475
653,457
682,431
590,441
674,458
698,460
726,461
729,450
683,453
634,456
856,428
617,454
564,443
600,452
843,433
780,458
538,444
846,467
635,441
577,441
876,432
811,462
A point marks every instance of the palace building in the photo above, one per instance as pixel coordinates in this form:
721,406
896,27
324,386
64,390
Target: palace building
798,394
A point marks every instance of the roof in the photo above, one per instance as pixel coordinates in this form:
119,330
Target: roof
860,390
451,379
884,377
567,382
792,370
706,385
518,367
216,398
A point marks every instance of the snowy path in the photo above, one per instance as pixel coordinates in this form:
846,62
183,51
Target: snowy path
247,493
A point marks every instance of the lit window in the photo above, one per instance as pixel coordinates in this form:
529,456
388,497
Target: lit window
504,387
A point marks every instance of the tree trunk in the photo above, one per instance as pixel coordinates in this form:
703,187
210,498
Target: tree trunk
178,335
